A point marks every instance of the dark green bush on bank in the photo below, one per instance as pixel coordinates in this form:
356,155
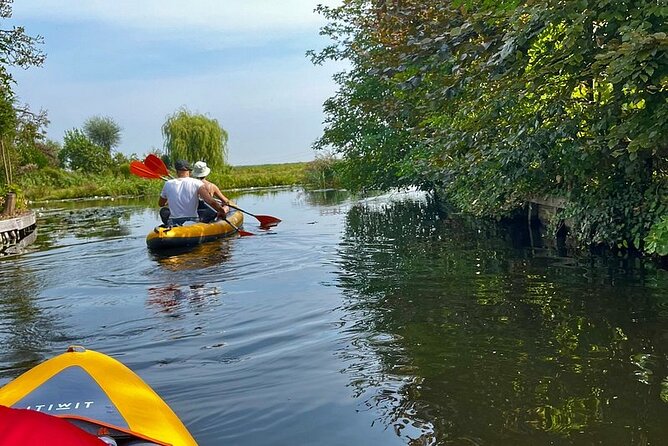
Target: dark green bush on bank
494,103
323,173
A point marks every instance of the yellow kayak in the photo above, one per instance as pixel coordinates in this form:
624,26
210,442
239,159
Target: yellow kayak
100,395
163,237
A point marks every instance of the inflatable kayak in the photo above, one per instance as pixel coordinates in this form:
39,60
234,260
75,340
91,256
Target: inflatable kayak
165,237
99,395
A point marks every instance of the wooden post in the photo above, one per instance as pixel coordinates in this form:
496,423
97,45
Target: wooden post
10,204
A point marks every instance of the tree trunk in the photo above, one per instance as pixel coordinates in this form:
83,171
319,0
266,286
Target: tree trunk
5,162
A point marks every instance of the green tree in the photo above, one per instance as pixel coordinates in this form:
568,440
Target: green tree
30,143
195,137
50,149
7,131
103,131
80,153
17,49
492,103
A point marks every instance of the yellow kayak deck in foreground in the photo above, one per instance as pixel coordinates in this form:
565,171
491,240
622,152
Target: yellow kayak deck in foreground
100,395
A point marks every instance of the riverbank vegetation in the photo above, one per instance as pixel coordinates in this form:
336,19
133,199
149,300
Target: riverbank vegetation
52,183
493,103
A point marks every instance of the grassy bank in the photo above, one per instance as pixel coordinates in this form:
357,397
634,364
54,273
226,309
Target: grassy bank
57,184
262,175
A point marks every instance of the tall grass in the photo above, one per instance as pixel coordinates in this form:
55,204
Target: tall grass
54,184
261,175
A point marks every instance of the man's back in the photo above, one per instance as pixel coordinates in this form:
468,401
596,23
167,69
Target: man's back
182,196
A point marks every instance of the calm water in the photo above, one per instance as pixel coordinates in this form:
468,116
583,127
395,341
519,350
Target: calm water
354,322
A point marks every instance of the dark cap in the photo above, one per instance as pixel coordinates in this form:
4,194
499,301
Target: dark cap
182,165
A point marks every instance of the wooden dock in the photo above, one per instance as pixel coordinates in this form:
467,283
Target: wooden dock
15,230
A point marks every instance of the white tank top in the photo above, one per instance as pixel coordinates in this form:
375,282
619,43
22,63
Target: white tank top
182,196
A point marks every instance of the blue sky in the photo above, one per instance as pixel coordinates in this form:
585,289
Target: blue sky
240,62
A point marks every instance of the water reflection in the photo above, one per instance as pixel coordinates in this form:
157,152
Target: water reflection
89,222
193,258
172,298
67,222
326,197
458,336
448,330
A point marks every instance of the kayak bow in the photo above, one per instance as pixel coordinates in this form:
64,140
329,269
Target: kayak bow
100,395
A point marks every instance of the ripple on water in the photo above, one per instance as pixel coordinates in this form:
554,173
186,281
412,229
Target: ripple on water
380,323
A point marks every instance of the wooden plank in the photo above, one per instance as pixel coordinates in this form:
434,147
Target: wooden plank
18,223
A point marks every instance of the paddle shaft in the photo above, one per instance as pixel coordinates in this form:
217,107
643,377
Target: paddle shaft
240,231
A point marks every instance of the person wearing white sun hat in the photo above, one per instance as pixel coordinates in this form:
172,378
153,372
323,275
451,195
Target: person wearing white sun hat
179,198
200,170
206,214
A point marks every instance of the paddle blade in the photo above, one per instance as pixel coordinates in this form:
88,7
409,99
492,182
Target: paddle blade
267,221
138,168
155,163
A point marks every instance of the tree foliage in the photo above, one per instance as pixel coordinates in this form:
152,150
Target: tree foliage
80,153
17,49
195,137
103,131
23,140
493,103
30,143
7,131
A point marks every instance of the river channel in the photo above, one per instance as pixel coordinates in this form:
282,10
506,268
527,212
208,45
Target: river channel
375,321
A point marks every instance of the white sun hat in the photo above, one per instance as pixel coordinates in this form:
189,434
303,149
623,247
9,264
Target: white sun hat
200,170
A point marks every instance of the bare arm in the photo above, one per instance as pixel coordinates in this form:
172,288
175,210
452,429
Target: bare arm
218,194
162,200
206,196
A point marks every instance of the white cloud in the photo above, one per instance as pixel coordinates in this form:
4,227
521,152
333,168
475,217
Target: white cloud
159,15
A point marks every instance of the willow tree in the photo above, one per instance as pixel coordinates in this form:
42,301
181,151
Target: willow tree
195,137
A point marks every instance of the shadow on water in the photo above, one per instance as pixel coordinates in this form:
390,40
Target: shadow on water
456,334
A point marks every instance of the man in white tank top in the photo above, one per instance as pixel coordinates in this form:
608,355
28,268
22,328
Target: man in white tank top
182,194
